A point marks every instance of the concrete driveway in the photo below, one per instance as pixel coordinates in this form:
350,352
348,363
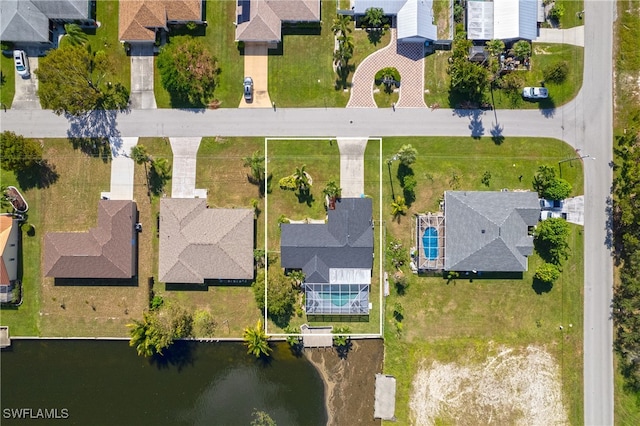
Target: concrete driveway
26,95
121,168
183,173
256,66
142,96
352,166
573,36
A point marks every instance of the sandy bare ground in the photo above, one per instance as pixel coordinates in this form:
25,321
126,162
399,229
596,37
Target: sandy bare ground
516,387
350,381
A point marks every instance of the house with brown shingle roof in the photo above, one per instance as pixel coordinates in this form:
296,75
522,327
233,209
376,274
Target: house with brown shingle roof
9,250
107,251
139,20
198,243
261,20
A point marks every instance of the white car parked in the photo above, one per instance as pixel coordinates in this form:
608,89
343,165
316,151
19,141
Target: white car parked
535,93
22,63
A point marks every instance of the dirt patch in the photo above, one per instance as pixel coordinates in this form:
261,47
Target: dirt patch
511,387
350,382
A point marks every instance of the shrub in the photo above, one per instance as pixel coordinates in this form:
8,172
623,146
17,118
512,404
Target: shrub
389,72
556,12
397,253
551,240
156,303
288,183
547,272
409,183
557,72
512,82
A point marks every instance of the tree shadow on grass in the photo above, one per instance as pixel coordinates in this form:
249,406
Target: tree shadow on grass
41,175
541,287
179,355
374,35
305,197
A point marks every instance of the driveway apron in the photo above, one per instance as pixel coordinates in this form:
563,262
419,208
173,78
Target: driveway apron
121,168
352,166
142,96
26,95
183,174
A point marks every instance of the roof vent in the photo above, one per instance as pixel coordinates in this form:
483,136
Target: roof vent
483,231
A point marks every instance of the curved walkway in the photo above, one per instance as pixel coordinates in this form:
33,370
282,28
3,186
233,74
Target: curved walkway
408,58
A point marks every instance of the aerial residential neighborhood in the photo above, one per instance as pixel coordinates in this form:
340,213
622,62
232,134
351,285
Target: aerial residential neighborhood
314,212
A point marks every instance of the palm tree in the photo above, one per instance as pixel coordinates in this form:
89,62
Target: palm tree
332,190
256,340
346,42
341,25
374,16
74,35
407,154
398,206
302,179
341,57
522,49
495,47
140,337
256,165
139,154
341,339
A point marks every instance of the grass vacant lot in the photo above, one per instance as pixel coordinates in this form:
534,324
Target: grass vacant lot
455,321
627,111
544,54
322,160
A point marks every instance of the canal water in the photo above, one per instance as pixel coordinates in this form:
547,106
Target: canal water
106,383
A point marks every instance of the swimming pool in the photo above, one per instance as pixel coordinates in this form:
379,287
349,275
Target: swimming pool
339,299
430,243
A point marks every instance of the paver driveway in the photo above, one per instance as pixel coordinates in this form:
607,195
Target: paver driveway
407,58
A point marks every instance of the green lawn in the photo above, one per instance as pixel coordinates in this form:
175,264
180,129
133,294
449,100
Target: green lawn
219,36
7,81
301,71
437,79
571,9
454,322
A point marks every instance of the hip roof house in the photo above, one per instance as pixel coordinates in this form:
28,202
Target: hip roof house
488,230
198,243
502,19
414,17
261,20
28,21
336,258
107,251
140,19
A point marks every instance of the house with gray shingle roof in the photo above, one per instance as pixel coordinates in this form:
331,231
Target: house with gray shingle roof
106,251
29,21
198,243
261,20
336,258
489,231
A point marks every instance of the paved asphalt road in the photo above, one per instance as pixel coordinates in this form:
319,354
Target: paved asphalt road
585,123
597,139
